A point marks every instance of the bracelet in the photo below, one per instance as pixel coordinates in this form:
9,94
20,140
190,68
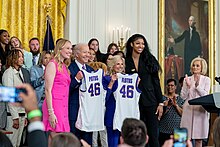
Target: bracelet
34,113
50,113
161,104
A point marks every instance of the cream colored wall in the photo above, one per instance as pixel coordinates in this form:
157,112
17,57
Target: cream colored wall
96,18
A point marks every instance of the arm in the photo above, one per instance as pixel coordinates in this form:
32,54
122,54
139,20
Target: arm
36,81
185,90
74,83
107,84
36,127
158,94
204,91
181,37
49,79
7,80
178,108
157,88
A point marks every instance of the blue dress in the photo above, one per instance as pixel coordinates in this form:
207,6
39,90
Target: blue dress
113,135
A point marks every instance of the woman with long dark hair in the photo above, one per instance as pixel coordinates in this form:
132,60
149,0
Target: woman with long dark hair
4,45
140,60
94,44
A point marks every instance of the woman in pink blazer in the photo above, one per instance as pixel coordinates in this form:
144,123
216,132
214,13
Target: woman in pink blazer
195,118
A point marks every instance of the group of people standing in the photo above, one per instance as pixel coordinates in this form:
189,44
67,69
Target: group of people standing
59,81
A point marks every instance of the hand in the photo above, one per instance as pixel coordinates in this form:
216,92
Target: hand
166,102
169,102
114,77
84,143
171,39
174,101
159,111
29,100
15,123
197,80
188,83
189,143
79,75
25,122
53,120
139,79
168,143
43,77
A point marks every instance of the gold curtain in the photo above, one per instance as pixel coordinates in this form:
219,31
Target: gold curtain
27,18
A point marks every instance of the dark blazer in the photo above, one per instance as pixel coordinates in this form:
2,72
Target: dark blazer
74,91
26,75
149,84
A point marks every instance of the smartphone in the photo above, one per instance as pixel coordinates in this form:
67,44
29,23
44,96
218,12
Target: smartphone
180,137
10,94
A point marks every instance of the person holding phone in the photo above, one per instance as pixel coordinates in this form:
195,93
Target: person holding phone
15,75
194,117
170,143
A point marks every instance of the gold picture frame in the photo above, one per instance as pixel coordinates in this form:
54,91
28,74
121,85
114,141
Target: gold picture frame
211,36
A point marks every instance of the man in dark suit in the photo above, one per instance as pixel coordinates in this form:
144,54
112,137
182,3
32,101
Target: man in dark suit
192,47
81,52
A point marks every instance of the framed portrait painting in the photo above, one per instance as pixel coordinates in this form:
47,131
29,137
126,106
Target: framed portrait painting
186,31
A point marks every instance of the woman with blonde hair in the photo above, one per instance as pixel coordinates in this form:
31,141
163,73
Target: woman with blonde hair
194,117
15,42
115,65
57,81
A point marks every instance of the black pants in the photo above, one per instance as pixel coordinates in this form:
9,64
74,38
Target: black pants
148,116
163,137
87,136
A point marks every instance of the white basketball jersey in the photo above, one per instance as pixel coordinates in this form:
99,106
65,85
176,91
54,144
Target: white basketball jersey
127,97
91,102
